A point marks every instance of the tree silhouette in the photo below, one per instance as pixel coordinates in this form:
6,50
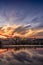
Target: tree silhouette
0,44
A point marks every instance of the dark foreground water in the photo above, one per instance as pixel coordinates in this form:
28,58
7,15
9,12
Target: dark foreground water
22,57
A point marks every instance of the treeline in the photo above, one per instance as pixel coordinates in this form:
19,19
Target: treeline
20,41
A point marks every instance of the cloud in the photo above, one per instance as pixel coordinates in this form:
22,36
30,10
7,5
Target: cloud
14,30
40,34
33,33
38,21
19,30
22,29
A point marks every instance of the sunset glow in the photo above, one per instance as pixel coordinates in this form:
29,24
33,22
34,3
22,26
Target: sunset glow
9,31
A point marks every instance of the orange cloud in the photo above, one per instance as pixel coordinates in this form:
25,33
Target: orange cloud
19,30
34,32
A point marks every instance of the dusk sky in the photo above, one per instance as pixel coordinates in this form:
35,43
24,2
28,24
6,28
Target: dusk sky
26,13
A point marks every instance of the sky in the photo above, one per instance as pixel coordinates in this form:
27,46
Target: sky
26,13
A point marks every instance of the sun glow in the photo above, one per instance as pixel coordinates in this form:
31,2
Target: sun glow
8,31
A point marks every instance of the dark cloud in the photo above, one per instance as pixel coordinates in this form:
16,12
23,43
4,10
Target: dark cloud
41,25
39,21
35,20
22,29
39,34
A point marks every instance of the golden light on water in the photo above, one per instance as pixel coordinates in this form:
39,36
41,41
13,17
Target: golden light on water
2,50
